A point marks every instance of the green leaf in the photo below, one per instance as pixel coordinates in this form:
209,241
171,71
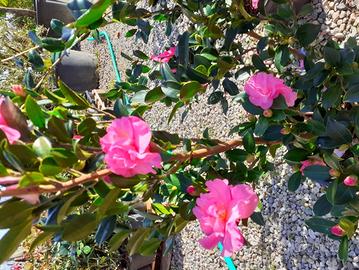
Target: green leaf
343,249
65,207
171,89
108,201
236,155
130,33
307,33
167,73
13,213
154,95
42,146
249,142
331,97
136,240
79,227
294,181
118,239
190,89
161,209
93,14
49,167
322,206
338,133
261,126
149,247
281,57
140,55
230,87
53,44
105,229
352,94
56,127
317,173
331,56
73,97
35,113
258,218
87,126
215,97
320,225
36,60
183,49
12,240
40,239
31,178
258,63
57,25
296,155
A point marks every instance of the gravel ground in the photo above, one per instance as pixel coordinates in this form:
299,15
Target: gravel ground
284,242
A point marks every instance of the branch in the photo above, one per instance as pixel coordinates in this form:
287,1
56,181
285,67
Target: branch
179,157
59,186
219,148
19,11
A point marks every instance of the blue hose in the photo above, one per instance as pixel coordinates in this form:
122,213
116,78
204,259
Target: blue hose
227,260
103,34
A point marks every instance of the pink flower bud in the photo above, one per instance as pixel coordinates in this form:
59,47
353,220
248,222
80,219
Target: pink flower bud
268,113
334,173
351,180
337,230
18,90
191,190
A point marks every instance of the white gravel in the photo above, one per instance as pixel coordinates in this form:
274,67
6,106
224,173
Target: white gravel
284,242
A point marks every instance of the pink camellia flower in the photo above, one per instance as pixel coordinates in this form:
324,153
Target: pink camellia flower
11,183
255,4
164,57
337,230
11,134
310,162
127,147
219,212
262,88
351,181
18,90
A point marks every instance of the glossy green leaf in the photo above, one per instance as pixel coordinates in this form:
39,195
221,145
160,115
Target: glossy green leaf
35,113
230,87
136,240
13,213
73,97
190,89
249,142
31,178
149,247
12,240
294,181
117,240
307,33
322,206
344,249
36,60
93,14
79,227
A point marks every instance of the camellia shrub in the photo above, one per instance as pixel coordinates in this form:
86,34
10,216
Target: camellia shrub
72,169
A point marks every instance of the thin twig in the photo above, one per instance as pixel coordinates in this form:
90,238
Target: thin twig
19,54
